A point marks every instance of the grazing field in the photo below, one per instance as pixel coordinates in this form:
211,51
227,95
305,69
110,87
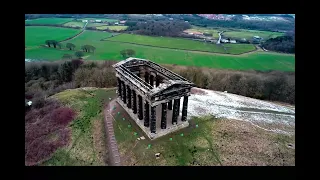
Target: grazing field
107,50
74,24
238,48
113,28
37,35
182,44
168,42
103,19
48,21
248,34
214,32
236,33
95,24
87,147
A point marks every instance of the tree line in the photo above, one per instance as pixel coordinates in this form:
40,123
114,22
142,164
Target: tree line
285,44
85,48
239,23
158,28
264,85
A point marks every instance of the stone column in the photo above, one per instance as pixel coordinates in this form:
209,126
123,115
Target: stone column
128,97
151,80
184,108
164,116
119,88
153,119
170,105
124,97
146,114
134,101
146,77
157,81
175,113
140,113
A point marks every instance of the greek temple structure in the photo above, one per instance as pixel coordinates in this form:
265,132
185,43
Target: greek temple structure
153,96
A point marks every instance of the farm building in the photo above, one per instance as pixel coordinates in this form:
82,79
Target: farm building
116,23
122,22
233,41
98,20
224,40
84,20
256,37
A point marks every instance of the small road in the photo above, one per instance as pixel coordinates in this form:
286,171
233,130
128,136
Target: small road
218,42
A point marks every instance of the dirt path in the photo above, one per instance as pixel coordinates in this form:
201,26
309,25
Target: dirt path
114,155
83,29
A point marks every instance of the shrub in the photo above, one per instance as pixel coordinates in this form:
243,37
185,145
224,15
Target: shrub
45,131
62,115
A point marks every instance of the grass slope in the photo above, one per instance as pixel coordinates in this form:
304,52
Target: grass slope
87,146
37,35
48,21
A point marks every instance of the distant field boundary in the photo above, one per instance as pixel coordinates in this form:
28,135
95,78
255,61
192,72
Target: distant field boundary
26,24
179,48
69,38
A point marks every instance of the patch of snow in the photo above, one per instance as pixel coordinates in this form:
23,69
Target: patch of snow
231,106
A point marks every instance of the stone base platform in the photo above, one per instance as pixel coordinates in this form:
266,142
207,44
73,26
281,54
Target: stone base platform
159,132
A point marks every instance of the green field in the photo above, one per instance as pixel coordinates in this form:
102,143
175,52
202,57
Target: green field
214,32
37,35
236,33
238,48
95,24
170,43
48,21
74,24
103,19
248,34
113,28
107,50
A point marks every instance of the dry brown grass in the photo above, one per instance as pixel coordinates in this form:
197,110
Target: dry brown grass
99,142
241,144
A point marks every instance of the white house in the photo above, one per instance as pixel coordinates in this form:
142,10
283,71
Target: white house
116,23
233,41
171,19
84,20
224,40
98,20
257,37
122,22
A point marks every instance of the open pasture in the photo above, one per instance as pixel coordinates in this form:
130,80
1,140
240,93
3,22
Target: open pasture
37,35
74,24
48,21
112,28
178,43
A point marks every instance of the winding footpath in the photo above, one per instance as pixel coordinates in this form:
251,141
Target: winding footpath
113,152
83,29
